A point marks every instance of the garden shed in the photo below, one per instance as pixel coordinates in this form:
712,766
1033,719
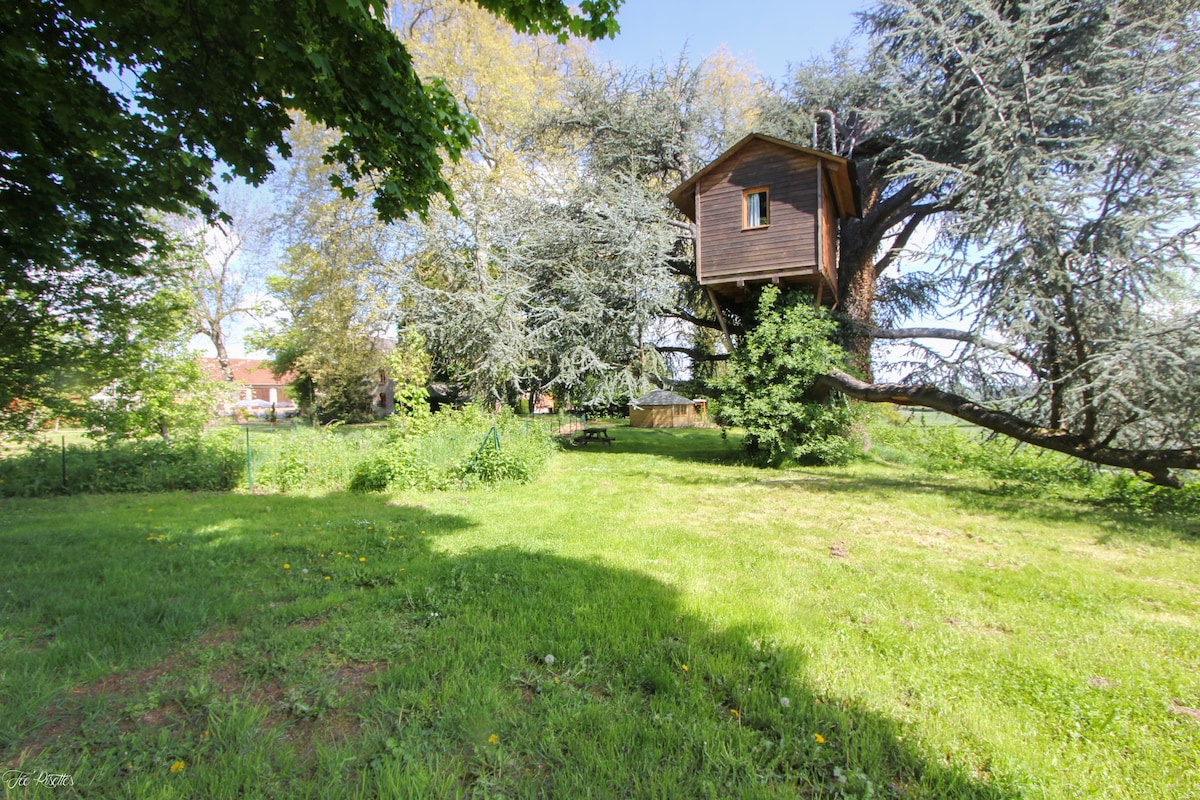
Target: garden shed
662,409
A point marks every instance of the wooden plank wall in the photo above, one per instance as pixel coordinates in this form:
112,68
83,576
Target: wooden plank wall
829,241
788,246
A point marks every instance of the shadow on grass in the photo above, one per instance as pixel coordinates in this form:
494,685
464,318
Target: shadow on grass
409,671
1046,504
700,445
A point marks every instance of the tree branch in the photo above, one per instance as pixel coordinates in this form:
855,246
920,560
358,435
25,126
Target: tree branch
696,355
711,324
1156,463
901,240
953,335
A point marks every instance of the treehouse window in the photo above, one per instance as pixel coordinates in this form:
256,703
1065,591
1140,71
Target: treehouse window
756,208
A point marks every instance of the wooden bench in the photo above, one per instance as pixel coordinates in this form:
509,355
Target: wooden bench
593,435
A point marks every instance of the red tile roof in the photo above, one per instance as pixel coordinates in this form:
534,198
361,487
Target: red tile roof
250,371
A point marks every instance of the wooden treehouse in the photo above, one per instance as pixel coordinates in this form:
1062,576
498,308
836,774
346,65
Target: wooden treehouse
767,211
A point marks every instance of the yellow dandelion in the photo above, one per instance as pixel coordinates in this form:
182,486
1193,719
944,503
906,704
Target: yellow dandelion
493,739
326,577
735,713
360,560
685,669
819,738
287,566
177,766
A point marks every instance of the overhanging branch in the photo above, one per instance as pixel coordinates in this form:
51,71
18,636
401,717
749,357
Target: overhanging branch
696,354
700,322
1156,463
950,334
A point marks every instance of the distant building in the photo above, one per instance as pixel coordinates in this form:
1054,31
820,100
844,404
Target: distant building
254,379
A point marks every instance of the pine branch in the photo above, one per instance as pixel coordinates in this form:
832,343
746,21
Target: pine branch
952,335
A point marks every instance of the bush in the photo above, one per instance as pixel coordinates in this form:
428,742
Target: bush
456,447
210,463
1136,496
312,459
768,387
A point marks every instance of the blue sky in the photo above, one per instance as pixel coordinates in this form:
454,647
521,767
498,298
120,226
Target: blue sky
772,33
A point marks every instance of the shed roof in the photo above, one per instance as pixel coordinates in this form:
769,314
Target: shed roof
843,172
661,397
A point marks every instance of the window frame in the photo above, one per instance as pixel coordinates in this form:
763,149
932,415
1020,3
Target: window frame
764,212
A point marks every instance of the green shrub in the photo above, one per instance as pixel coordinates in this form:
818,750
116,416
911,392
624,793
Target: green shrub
441,451
455,447
1133,495
312,459
207,463
768,386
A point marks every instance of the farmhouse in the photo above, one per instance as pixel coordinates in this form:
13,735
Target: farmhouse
662,409
767,211
254,378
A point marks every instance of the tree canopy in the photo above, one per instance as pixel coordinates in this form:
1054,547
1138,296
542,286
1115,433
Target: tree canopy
1067,167
116,111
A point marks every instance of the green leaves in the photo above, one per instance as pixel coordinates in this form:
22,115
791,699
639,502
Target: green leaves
115,111
768,389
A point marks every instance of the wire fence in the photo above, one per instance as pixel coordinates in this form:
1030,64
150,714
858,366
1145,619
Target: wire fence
253,456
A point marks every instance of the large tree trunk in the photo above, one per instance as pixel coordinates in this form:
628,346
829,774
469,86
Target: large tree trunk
1156,463
856,293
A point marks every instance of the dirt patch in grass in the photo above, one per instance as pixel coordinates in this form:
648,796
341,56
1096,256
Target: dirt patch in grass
65,720
1184,711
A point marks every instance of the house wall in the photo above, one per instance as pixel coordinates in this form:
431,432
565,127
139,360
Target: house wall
662,417
787,247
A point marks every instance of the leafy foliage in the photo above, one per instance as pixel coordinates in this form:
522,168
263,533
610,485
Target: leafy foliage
1127,493
332,296
207,463
115,113
947,448
159,388
768,389
1072,238
456,448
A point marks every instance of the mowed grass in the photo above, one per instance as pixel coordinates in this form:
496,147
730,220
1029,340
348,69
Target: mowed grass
645,620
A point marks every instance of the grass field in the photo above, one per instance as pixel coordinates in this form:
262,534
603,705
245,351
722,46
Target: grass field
645,620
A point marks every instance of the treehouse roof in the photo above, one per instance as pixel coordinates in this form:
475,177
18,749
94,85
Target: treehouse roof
842,172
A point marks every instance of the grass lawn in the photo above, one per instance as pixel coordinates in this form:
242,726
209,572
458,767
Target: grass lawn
646,620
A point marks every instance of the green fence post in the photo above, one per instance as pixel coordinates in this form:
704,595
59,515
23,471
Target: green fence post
249,469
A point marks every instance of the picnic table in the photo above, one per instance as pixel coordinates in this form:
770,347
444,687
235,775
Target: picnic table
595,434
